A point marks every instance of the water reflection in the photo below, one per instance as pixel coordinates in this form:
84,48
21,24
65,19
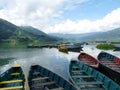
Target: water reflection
49,58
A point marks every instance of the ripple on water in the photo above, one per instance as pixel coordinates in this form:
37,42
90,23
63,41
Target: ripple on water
52,59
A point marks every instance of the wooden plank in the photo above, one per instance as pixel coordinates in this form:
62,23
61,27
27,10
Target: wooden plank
106,61
83,76
12,88
41,78
36,73
15,74
75,71
89,83
44,84
10,81
17,65
74,67
60,88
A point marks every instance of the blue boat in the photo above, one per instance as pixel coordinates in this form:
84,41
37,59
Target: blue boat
13,79
41,78
87,78
109,65
73,48
117,48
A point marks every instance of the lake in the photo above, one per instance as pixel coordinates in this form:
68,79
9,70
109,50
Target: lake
52,59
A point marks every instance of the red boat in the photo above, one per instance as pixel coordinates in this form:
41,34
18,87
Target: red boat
88,59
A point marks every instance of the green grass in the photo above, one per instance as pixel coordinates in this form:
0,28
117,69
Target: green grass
10,45
6,44
105,46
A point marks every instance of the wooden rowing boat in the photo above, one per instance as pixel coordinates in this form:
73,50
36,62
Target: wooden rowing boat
62,48
13,79
87,78
88,60
73,48
41,78
109,65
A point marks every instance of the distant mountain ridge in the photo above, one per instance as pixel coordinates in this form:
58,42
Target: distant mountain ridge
11,33
111,35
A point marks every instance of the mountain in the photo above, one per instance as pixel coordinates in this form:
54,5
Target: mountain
10,33
39,33
33,30
111,35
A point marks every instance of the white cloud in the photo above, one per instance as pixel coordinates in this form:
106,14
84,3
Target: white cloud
38,13
110,21
42,13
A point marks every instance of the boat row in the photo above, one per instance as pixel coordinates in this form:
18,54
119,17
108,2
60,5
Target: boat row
84,73
86,78
39,78
106,63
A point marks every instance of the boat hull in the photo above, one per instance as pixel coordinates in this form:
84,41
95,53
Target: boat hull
88,60
87,78
110,66
110,73
13,79
47,79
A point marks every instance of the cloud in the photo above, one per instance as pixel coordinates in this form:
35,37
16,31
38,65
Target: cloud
38,13
110,21
47,15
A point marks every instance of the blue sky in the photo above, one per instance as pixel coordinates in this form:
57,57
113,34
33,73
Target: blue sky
63,16
92,10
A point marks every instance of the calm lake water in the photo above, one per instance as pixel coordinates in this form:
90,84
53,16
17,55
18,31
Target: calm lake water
52,59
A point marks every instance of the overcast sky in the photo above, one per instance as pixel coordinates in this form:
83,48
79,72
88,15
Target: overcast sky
63,16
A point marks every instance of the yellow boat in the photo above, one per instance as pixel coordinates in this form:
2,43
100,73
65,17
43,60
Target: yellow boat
13,79
62,48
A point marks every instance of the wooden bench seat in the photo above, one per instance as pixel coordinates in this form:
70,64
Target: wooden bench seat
10,81
15,74
74,67
90,63
12,88
83,76
89,83
59,88
106,61
112,66
40,78
79,71
44,84
36,73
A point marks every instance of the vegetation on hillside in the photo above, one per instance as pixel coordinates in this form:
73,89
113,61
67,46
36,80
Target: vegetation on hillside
105,46
14,36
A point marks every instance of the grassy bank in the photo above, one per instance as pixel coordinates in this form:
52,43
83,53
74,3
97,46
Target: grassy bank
20,44
11,45
105,46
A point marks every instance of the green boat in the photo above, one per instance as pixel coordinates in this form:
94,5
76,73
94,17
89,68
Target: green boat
41,78
87,78
13,79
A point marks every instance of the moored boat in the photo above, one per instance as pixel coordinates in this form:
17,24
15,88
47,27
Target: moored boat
73,48
117,48
109,65
88,59
13,79
87,78
62,48
41,78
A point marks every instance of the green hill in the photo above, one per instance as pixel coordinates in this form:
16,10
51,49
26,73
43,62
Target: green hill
14,36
